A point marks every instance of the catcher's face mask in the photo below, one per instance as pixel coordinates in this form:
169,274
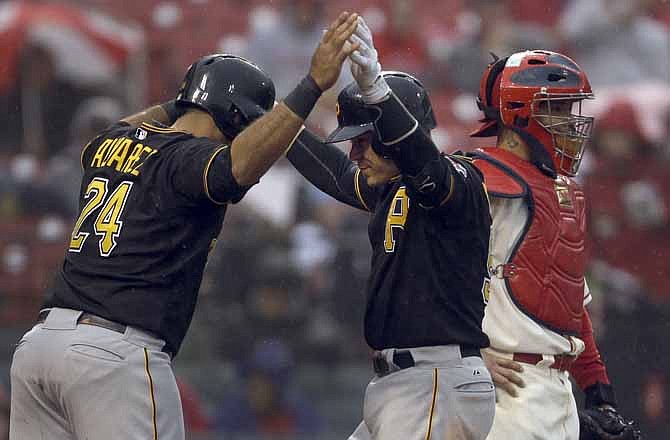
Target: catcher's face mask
569,130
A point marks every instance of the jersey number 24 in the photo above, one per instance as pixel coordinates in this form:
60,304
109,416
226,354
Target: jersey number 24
107,225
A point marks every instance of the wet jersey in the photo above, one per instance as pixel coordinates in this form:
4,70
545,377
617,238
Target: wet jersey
428,263
152,203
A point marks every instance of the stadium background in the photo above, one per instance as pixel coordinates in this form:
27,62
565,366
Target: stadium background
275,350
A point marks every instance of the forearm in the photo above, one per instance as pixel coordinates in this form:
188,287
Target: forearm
152,114
589,368
258,146
326,167
409,146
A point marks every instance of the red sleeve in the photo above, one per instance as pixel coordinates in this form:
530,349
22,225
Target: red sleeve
589,367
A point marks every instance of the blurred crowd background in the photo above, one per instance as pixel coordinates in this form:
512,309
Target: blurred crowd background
276,350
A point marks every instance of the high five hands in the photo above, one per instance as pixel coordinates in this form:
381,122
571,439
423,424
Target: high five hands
365,66
333,49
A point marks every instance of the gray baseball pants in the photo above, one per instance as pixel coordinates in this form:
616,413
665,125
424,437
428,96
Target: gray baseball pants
82,382
444,396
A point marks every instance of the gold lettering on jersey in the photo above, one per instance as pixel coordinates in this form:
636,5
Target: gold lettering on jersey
134,157
99,157
110,151
396,217
120,154
486,290
150,151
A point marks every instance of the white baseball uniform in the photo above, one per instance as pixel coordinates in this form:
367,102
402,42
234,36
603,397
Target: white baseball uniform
545,408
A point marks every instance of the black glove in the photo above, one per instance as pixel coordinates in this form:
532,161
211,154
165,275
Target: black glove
605,423
600,420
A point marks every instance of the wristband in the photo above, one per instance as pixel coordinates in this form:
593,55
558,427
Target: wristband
599,394
377,92
303,98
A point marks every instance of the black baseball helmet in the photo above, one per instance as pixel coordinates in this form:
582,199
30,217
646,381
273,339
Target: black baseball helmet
355,118
233,90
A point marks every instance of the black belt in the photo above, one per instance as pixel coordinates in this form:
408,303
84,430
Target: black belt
404,359
98,321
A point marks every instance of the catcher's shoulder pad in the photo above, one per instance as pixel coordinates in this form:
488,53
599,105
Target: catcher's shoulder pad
499,182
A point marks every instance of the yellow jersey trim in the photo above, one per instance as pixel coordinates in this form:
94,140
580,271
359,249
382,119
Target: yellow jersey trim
451,190
206,172
432,405
465,158
157,129
81,156
151,393
357,188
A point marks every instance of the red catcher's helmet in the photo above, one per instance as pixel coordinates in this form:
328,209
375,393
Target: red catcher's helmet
535,93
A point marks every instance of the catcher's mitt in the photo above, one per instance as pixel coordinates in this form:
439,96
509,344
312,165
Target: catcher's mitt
605,423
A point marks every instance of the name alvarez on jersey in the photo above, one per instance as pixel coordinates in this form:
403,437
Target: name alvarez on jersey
152,203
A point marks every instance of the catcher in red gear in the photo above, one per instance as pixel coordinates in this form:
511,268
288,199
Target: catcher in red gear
536,318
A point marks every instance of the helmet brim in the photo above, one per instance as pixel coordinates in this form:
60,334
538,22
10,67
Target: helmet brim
348,132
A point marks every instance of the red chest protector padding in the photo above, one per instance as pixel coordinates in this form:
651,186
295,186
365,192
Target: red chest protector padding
545,272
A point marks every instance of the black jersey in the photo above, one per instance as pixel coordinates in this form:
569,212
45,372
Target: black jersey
152,203
428,270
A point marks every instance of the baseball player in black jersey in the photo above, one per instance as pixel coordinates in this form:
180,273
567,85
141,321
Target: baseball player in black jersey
98,363
429,232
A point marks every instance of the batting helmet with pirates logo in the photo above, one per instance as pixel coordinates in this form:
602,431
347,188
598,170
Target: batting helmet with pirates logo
233,90
355,118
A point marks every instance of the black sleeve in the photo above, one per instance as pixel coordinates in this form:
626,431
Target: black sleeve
330,170
447,183
401,136
220,184
202,171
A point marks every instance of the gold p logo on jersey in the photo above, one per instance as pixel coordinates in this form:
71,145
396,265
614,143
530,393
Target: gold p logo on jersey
337,109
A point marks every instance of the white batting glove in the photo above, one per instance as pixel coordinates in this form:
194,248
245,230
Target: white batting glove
365,66
363,32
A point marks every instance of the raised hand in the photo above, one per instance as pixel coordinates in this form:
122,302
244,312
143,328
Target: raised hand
365,66
333,50
364,33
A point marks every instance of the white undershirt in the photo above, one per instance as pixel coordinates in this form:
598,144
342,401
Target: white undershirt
508,328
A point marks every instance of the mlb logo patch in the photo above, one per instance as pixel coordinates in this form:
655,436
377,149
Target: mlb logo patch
140,134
